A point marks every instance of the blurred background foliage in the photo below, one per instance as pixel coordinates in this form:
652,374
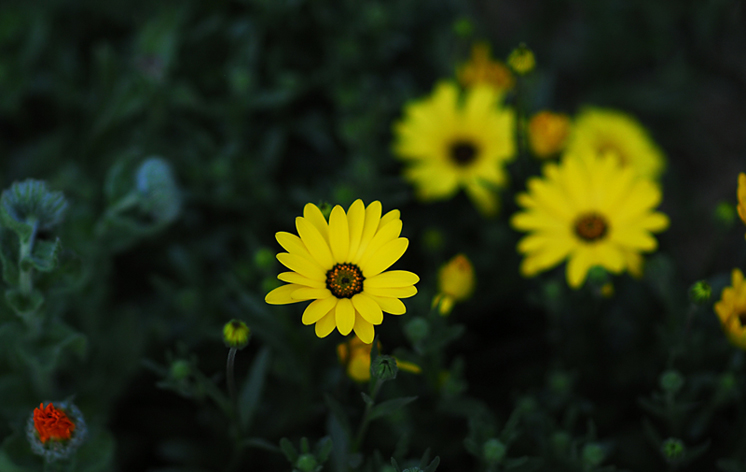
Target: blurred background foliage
256,107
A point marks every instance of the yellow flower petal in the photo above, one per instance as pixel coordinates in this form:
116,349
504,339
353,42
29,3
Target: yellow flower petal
301,265
390,305
296,278
308,293
344,315
392,278
312,213
364,330
372,218
484,198
293,244
389,217
281,295
384,257
318,309
339,234
326,324
314,242
396,292
385,234
577,267
356,220
368,308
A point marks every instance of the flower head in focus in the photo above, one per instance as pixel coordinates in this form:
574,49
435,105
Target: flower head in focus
483,70
455,283
547,133
742,196
341,266
591,212
600,131
451,145
731,310
55,432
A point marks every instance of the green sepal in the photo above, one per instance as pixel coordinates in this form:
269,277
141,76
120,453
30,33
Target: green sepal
389,406
23,303
43,256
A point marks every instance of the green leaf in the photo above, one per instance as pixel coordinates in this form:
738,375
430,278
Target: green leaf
252,388
9,249
289,450
323,449
44,255
389,407
366,398
260,443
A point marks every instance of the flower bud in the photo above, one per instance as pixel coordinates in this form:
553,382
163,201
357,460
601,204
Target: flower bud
30,203
671,381
56,432
306,463
384,368
522,60
493,451
180,369
236,334
700,292
593,454
673,450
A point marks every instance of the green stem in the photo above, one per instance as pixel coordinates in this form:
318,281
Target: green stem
231,378
366,417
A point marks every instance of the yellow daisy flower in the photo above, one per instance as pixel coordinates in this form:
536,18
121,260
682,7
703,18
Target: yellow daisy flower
742,196
340,265
731,309
547,133
590,212
451,146
482,69
600,131
455,283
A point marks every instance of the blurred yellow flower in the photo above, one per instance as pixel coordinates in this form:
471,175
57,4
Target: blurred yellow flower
522,60
451,146
590,212
547,133
742,196
340,265
601,131
356,356
731,309
455,283
482,69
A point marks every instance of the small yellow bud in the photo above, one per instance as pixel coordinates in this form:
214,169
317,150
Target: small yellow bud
547,133
482,69
522,60
236,334
455,283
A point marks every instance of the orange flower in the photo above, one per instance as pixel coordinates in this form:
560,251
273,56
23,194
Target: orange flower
547,133
51,423
482,69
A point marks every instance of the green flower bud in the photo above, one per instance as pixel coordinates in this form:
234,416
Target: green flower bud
593,454
180,369
306,463
417,329
384,368
493,451
673,450
30,203
236,334
725,214
700,292
159,195
671,381
463,27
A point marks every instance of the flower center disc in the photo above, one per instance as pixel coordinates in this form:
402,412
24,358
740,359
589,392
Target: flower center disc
742,319
591,227
463,152
344,280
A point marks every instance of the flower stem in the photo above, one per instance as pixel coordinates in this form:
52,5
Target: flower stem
366,417
231,378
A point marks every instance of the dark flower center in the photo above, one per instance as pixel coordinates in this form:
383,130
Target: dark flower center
742,319
591,227
463,153
344,280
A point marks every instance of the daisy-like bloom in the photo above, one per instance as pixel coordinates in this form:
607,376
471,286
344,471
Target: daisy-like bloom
522,60
592,212
547,133
731,309
455,283
742,196
602,131
482,69
452,146
340,265
55,432
356,355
